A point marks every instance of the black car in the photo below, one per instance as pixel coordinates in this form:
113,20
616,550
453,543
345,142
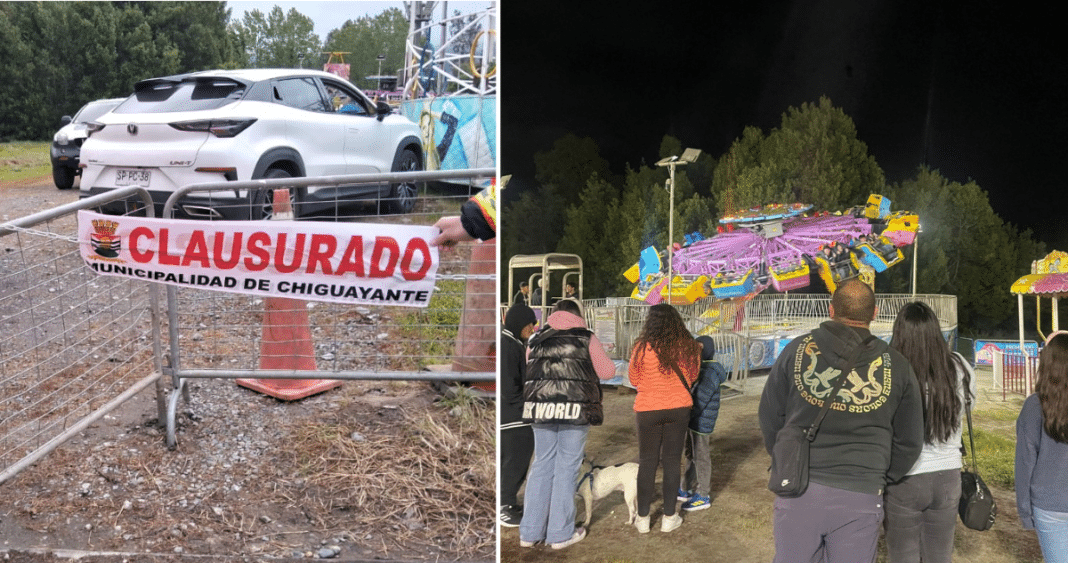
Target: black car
67,142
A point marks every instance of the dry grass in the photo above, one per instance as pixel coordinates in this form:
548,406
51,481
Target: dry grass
426,475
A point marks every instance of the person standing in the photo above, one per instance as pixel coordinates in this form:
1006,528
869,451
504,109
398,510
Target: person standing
523,295
663,367
871,437
706,395
516,436
562,399
921,509
535,299
1042,452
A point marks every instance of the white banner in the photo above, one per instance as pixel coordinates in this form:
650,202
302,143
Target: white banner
316,261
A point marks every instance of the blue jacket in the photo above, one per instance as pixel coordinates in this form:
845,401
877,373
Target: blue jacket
1041,466
706,391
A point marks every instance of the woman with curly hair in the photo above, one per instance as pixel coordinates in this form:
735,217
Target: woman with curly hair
921,508
1042,452
663,367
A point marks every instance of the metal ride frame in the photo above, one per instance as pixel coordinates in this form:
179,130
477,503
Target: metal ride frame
77,345
456,69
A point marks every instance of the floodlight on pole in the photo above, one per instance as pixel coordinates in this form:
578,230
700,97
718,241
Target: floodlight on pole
688,156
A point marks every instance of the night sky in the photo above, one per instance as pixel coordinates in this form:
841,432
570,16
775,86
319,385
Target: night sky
977,90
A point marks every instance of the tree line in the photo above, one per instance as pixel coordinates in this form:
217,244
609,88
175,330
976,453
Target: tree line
56,56
814,156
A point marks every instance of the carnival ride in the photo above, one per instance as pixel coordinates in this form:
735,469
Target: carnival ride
448,84
1048,278
779,246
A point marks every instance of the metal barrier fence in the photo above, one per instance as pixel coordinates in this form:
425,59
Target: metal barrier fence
1015,373
74,345
77,345
219,335
742,330
731,347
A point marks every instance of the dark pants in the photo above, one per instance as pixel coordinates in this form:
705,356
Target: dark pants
921,516
661,436
827,525
517,448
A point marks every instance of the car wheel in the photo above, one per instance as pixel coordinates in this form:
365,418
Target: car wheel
63,177
262,201
402,196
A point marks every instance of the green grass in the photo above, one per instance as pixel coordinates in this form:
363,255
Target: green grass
998,415
21,160
996,456
430,334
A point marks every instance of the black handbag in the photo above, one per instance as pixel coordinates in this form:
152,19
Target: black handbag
788,475
977,507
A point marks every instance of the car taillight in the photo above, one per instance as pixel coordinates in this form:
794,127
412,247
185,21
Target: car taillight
93,127
217,127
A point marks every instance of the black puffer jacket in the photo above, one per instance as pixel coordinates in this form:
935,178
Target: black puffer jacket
561,385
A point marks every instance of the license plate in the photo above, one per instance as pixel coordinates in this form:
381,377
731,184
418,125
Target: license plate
132,177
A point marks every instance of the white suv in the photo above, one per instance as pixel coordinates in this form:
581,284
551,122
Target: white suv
229,125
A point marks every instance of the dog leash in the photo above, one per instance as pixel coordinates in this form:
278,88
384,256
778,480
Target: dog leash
588,474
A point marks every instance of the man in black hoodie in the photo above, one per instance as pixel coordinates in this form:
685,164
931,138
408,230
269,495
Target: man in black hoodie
871,436
517,438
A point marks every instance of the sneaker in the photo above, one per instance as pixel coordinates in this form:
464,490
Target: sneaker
578,536
524,543
684,495
671,522
642,523
697,502
510,516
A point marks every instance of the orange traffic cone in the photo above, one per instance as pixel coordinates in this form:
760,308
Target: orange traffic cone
286,343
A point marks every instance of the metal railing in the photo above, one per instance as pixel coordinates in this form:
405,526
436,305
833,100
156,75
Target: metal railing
453,340
750,334
1015,373
77,345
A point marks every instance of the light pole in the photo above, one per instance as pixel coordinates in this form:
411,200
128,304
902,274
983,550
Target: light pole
688,156
915,255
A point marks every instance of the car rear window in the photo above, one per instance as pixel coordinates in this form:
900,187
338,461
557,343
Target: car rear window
93,110
165,96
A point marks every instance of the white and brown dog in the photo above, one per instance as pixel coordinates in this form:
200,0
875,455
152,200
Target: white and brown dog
599,482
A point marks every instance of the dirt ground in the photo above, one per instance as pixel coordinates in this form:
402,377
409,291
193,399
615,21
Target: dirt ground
738,526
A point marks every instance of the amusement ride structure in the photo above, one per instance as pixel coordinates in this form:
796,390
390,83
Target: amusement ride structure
448,84
778,246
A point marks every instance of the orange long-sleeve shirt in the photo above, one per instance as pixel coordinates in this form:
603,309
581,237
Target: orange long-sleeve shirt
659,387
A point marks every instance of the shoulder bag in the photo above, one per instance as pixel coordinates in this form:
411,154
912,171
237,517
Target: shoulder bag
977,507
789,456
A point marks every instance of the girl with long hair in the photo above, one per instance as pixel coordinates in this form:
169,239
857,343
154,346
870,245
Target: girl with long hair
921,509
1042,452
663,367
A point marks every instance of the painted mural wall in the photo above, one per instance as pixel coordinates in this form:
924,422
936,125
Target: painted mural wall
459,132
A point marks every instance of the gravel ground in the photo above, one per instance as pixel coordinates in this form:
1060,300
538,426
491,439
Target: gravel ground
369,471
